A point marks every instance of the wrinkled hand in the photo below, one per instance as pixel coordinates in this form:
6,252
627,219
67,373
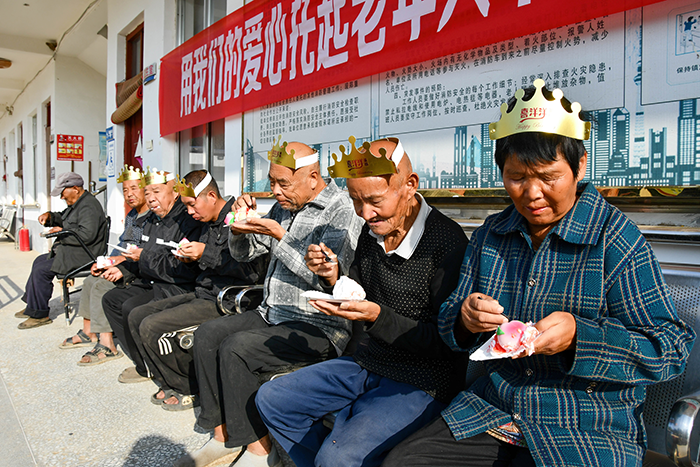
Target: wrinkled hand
353,310
481,313
318,263
112,274
94,271
262,226
245,200
192,250
558,333
133,255
43,218
55,229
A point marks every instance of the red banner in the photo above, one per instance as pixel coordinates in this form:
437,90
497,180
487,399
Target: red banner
271,50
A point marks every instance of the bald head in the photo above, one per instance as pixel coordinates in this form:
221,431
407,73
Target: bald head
404,167
294,188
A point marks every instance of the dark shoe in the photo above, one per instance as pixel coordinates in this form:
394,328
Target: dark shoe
84,341
130,375
22,315
184,402
167,394
94,355
34,323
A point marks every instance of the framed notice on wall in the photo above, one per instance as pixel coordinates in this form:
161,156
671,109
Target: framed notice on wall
70,148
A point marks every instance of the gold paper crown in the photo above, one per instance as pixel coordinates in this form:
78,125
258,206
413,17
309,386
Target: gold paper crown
542,115
129,173
278,155
155,176
185,189
360,164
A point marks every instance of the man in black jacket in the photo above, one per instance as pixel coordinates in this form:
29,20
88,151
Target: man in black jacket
84,216
407,260
154,272
154,324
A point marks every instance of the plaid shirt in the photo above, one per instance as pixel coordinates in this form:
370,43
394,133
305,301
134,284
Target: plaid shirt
580,407
329,218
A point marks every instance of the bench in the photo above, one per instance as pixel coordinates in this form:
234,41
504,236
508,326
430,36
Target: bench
6,222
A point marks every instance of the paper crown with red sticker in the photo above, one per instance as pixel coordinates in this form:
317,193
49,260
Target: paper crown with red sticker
541,115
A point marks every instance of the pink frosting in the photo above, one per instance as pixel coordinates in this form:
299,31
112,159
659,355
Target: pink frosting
510,334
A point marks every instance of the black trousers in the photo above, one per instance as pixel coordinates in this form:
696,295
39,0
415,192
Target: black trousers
117,305
39,288
230,354
153,326
434,445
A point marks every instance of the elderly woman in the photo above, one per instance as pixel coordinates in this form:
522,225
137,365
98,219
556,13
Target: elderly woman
562,258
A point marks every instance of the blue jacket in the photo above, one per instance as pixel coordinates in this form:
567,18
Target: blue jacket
581,407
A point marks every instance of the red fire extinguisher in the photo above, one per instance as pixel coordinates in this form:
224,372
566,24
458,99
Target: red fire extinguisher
24,239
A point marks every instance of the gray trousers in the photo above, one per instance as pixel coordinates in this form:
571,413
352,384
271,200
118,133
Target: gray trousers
90,305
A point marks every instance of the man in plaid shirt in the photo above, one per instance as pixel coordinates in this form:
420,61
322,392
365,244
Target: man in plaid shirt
562,258
231,352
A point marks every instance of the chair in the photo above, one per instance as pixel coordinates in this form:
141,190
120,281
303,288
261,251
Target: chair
6,221
247,297
67,280
672,407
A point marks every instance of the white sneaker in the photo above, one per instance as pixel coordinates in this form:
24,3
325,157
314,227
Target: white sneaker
249,459
212,451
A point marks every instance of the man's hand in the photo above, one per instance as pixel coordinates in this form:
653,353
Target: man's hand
245,200
192,250
94,271
323,265
55,229
43,218
262,226
133,255
353,310
112,274
558,333
481,313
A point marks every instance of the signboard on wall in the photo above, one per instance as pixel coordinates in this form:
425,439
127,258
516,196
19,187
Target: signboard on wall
644,127
269,51
70,147
111,152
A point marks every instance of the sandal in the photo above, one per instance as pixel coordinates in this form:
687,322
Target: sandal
84,341
168,393
94,355
183,403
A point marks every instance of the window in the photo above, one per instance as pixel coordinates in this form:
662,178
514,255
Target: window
194,16
201,147
35,162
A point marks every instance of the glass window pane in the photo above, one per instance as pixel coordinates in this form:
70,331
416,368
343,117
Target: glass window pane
192,155
218,10
217,165
192,18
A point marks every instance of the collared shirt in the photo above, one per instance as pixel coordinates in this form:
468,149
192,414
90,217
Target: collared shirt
329,218
410,242
583,406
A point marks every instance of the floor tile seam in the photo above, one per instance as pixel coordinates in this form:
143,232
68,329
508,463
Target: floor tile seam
19,422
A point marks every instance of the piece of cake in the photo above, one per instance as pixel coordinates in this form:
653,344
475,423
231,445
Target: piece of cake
241,214
348,289
104,262
514,337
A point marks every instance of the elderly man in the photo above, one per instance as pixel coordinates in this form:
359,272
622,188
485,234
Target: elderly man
84,216
232,352
562,258
154,272
154,324
407,260
103,278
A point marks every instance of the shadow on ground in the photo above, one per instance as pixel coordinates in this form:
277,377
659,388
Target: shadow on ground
154,451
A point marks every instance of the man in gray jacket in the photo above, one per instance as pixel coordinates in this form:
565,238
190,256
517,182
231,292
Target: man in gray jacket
84,216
